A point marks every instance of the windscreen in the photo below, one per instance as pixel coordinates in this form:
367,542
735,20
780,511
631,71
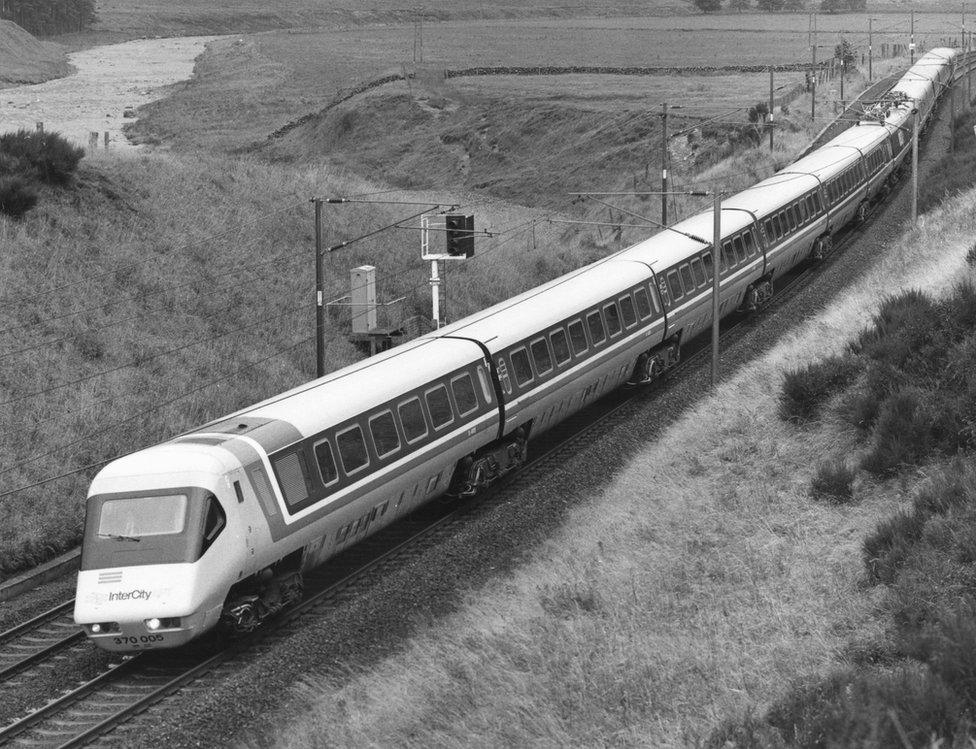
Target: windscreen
143,516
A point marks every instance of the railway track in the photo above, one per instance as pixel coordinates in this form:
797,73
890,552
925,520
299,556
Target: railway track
37,640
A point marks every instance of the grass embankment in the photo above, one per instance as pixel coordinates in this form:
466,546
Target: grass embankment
698,587
24,59
158,293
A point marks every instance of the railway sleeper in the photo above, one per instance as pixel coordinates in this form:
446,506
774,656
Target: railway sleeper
652,364
480,469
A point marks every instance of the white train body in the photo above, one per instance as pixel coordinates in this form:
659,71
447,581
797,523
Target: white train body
218,524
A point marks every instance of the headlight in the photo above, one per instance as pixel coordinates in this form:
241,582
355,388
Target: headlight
156,623
153,624
102,628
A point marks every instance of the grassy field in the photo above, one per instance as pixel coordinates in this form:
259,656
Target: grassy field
700,586
247,87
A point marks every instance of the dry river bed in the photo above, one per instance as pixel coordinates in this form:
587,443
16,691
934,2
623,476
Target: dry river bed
359,632
107,81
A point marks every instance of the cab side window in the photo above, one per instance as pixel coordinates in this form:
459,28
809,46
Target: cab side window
213,524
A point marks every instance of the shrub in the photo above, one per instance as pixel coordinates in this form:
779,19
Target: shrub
804,390
855,709
913,424
861,406
833,482
47,156
17,196
886,549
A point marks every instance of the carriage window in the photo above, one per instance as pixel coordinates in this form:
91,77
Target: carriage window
520,363
577,337
352,449
768,226
595,323
801,212
811,205
560,346
791,212
728,257
643,306
707,265
464,395
686,278
674,285
613,318
485,387
412,419
439,406
385,437
627,310
540,355
740,250
326,462
749,243
698,271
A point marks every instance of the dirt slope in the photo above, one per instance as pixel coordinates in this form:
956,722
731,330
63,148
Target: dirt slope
24,59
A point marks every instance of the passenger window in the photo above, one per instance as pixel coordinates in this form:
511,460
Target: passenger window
613,319
326,462
740,250
768,226
412,420
749,243
698,271
674,285
520,363
540,355
801,212
791,212
627,310
385,437
291,477
485,387
560,346
597,334
352,450
464,395
439,406
707,264
728,257
577,337
643,306
686,278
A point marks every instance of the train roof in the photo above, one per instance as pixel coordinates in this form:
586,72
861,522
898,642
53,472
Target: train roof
352,390
864,136
826,161
772,193
672,246
511,321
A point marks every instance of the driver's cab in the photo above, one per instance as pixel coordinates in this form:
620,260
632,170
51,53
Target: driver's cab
163,526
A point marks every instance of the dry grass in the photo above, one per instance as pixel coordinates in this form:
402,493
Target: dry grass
698,586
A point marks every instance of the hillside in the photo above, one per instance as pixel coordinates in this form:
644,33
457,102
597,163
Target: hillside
24,59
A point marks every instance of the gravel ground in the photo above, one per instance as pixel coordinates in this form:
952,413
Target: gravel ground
361,631
107,80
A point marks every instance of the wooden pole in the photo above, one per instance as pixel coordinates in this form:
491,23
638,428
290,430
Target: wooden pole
664,164
870,51
911,46
813,90
716,286
771,109
319,293
915,169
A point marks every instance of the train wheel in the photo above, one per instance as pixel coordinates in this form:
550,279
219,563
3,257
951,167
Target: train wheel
862,212
822,247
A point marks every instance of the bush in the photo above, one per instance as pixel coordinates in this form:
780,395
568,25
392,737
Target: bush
855,709
17,196
886,549
833,482
804,390
48,157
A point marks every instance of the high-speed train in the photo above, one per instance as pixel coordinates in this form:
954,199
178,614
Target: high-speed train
216,526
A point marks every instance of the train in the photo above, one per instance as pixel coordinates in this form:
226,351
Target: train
215,527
